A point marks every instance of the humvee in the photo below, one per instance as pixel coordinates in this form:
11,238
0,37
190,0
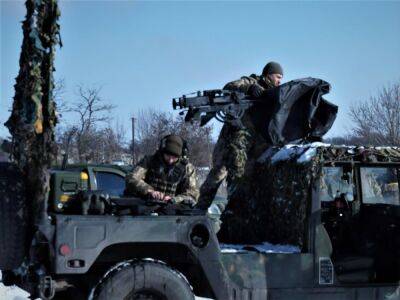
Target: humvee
98,244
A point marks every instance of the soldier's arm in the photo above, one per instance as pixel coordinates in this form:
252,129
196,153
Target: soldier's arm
187,189
241,85
135,184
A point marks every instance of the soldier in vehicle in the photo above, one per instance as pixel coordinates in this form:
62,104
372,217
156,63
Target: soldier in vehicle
167,175
236,145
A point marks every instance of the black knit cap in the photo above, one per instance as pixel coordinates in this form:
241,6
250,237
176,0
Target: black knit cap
272,68
172,144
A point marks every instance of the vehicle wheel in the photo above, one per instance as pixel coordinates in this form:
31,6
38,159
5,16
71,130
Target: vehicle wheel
143,280
13,217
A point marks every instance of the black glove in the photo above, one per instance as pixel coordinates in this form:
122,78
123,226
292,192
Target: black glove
201,206
256,91
188,202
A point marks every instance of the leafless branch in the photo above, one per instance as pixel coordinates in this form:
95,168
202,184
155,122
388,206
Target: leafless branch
377,120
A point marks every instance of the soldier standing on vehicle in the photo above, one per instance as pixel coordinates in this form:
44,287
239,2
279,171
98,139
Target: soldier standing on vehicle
236,145
167,175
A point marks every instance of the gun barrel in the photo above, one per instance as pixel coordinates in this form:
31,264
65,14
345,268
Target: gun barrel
186,102
179,103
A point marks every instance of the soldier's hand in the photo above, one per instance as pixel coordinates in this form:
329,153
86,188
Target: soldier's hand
167,198
156,195
256,91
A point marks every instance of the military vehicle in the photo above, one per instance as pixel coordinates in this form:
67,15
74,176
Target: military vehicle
81,238
101,245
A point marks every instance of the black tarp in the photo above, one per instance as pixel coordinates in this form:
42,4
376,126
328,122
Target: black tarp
295,111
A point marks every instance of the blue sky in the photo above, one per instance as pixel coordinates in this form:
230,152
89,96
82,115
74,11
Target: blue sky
145,53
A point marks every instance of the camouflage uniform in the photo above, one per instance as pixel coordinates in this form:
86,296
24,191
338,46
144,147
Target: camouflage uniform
234,146
151,173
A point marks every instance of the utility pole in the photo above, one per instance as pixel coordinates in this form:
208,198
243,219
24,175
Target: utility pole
133,140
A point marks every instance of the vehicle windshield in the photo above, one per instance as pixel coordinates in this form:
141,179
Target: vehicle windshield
334,183
380,185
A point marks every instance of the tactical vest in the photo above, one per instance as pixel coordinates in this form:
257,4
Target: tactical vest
165,178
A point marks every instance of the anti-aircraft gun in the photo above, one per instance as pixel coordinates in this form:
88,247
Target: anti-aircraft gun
224,105
294,111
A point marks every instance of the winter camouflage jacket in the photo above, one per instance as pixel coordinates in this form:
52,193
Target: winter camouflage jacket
234,146
151,173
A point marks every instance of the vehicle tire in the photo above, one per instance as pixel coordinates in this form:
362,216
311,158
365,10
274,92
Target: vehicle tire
143,280
13,217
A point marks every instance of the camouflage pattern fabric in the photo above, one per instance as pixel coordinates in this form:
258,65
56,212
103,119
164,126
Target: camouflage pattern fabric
151,173
33,116
271,200
236,148
244,83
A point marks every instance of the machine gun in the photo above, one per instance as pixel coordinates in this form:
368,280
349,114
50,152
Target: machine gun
224,105
293,111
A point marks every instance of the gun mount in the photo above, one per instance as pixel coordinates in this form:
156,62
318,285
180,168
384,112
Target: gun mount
224,105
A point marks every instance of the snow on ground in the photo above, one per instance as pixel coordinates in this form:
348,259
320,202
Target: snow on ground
15,293
12,293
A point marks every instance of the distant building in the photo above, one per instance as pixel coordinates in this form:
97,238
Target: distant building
118,162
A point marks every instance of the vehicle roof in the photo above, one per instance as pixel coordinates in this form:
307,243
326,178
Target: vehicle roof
312,152
82,166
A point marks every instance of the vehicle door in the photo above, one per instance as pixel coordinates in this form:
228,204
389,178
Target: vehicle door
380,218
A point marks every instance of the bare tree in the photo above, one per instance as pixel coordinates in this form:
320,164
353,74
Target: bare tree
199,141
113,143
377,121
91,110
92,137
58,96
65,140
152,125
348,140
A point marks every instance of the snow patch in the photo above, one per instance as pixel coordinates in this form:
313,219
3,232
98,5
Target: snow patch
286,153
265,247
318,144
214,210
307,155
304,152
12,292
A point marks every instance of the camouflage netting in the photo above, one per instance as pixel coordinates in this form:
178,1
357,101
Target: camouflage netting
271,202
33,117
